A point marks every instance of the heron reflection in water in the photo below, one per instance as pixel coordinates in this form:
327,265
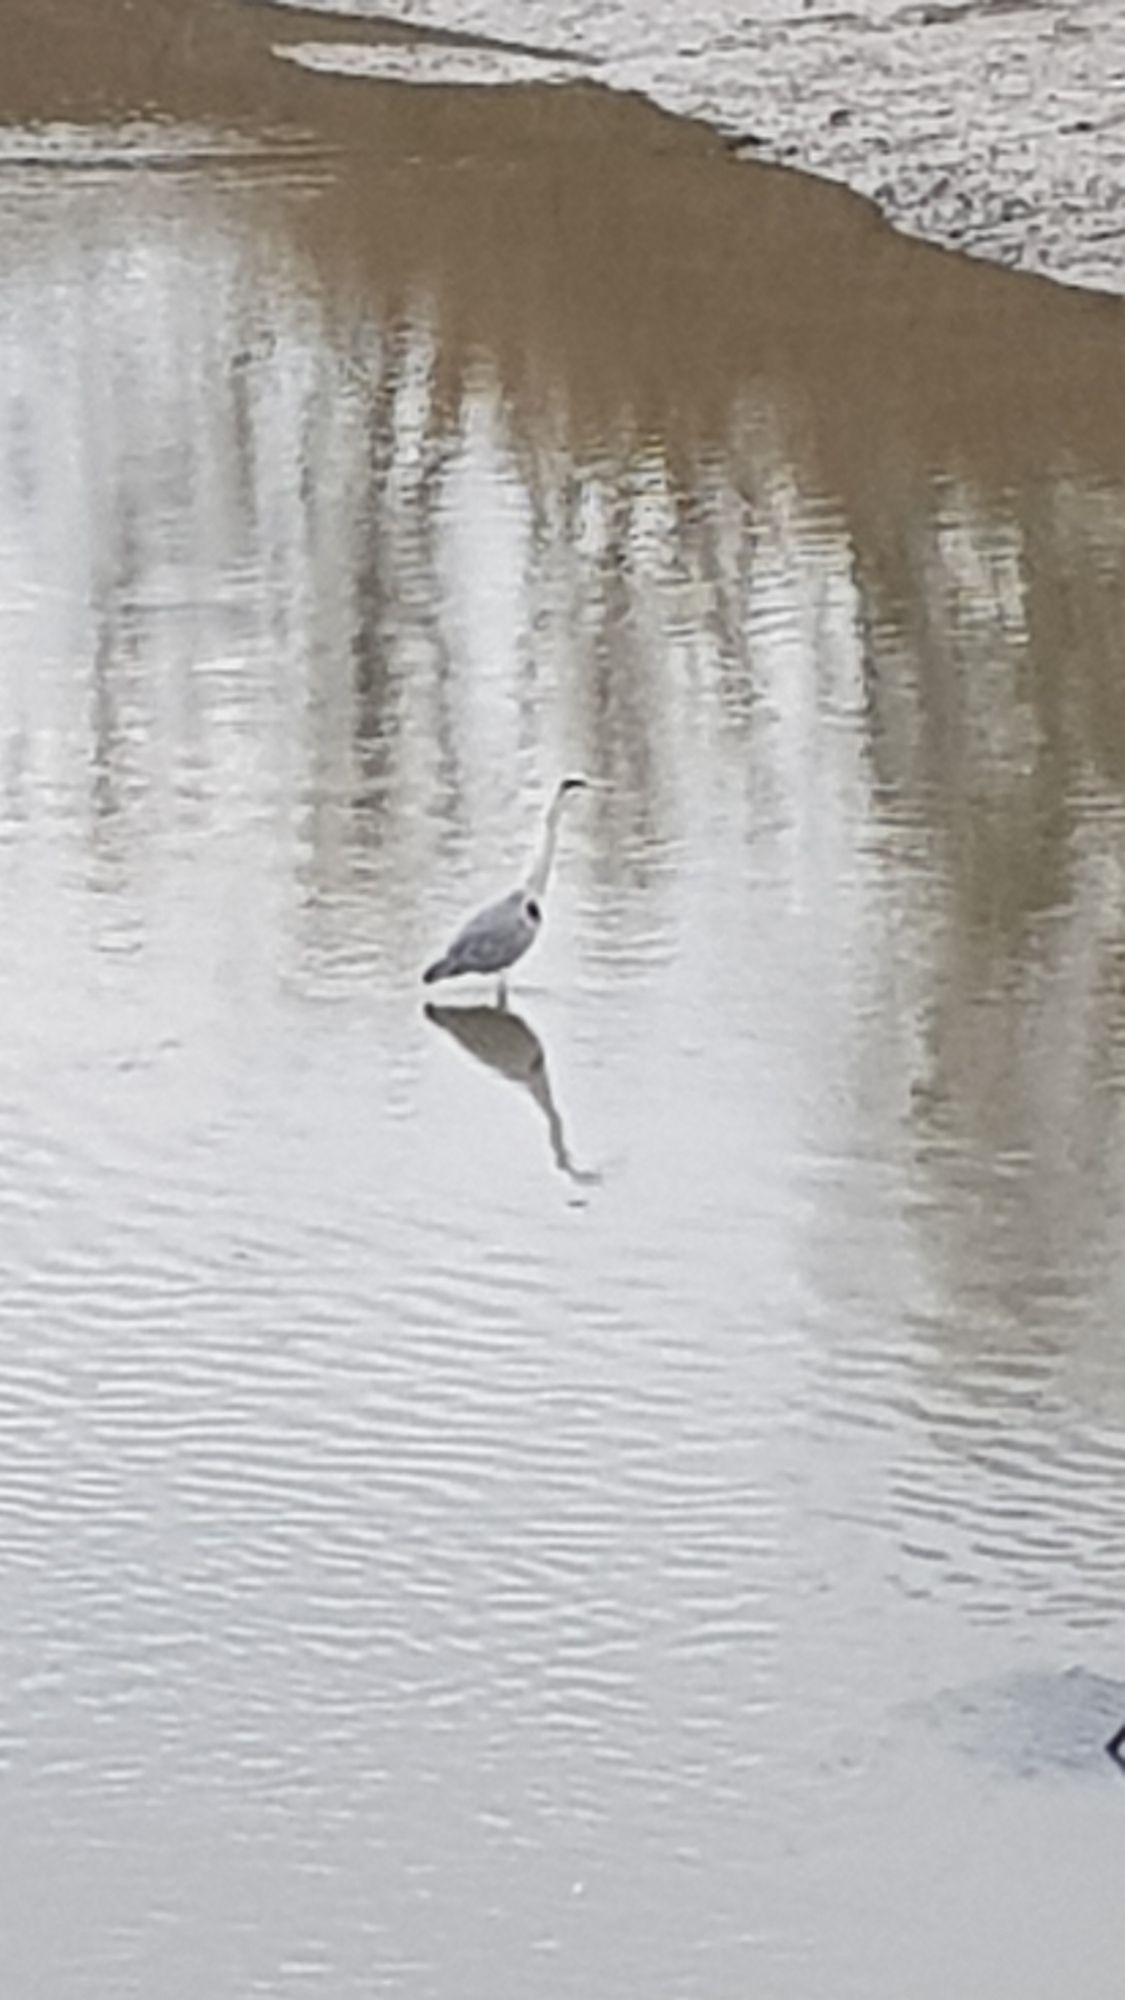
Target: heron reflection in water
501,1040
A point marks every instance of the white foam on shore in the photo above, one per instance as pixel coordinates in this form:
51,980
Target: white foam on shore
429,64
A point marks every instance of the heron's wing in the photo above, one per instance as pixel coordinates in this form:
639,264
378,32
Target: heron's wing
493,939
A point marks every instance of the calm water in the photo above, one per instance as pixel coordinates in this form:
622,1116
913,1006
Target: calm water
608,1500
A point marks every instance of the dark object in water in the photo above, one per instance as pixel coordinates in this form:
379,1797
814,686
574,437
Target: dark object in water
1034,1722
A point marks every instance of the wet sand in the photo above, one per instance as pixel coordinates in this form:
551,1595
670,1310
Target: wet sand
980,124
985,127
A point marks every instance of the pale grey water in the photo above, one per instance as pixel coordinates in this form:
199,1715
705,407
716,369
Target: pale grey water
428,1570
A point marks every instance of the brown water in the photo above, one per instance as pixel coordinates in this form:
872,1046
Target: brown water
626,1499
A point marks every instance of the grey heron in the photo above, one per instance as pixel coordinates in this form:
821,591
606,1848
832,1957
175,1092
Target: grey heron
498,935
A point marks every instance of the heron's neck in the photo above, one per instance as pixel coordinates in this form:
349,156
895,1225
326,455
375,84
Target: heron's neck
544,859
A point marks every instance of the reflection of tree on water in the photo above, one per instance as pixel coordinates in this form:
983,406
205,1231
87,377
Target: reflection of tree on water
502,1041
381,546
996,729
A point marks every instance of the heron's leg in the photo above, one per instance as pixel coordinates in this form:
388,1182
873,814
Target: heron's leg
502,993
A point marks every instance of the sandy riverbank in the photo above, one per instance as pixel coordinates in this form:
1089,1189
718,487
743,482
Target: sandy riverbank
986,127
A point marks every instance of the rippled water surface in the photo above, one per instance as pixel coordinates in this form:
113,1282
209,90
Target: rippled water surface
625,1497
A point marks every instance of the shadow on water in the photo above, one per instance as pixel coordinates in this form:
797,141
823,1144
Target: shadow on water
500,1039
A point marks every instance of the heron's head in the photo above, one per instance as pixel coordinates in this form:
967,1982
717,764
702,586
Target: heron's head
569,785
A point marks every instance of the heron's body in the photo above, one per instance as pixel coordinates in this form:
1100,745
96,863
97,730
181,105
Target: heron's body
493,940
499,935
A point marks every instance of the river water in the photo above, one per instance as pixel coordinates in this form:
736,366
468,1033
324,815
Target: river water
624,1497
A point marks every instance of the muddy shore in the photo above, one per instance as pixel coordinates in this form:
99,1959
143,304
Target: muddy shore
990,128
